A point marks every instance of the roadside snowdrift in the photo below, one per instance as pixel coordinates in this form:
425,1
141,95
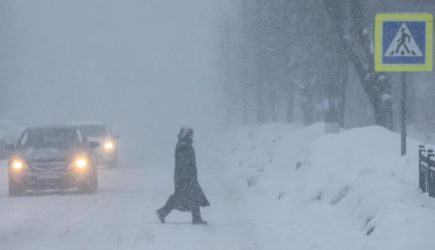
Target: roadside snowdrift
341,191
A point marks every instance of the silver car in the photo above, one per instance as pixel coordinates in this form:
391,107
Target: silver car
107,154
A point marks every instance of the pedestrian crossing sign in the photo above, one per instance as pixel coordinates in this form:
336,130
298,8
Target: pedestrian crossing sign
403,42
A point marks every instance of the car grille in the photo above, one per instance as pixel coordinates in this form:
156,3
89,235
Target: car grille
47,165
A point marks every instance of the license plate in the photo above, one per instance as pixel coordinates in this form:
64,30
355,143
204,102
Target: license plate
48,175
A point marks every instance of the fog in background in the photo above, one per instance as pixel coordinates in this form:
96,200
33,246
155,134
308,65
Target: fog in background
148,67
145,67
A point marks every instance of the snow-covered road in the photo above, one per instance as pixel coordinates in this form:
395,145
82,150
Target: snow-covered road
272,187
120,216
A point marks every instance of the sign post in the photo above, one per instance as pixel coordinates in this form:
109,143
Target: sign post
403,113
403,43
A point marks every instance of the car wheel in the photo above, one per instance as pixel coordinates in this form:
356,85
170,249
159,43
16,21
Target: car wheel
15,188
90,185
113,164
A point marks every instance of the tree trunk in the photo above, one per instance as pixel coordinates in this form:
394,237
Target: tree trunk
245,106
274,104
356,43
261,114
259,57
290,103
342,100
246,63
307,106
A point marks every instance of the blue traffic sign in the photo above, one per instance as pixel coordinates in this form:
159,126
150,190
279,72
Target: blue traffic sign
403,42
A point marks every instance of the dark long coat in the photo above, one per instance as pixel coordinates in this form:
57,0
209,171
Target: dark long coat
188,193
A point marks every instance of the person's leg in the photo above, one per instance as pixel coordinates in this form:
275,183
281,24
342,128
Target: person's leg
165,210
196,216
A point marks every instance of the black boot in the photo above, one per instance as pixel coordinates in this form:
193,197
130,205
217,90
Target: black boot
196,217
161,213
166,209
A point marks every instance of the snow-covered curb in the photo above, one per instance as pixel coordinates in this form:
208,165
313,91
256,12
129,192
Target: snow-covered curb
358,176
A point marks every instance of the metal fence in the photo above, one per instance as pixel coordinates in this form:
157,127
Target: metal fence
426,165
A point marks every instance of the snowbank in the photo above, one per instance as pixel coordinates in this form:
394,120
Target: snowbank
253,152
349,191
360,171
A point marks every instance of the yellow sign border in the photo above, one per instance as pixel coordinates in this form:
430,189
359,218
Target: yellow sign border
402,17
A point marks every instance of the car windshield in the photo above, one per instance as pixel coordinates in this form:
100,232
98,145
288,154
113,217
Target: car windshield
93,130
49,138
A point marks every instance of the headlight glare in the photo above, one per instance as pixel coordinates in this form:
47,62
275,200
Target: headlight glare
17,165
81,163
109,145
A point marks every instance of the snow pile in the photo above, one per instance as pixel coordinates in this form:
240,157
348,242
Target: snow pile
341,191
360,171
251,152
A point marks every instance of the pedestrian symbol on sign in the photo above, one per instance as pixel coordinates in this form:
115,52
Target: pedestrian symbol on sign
403,44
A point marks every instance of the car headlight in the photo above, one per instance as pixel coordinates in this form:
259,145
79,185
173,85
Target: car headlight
17,165
80,162
109,146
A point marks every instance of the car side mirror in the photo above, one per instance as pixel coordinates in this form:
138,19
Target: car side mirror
10,147
94,144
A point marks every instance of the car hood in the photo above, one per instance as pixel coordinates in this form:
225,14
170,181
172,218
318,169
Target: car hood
50,154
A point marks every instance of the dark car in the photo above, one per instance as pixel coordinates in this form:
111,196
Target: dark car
52,157
107,154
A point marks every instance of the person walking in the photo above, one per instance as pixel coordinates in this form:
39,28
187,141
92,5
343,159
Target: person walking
188,195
